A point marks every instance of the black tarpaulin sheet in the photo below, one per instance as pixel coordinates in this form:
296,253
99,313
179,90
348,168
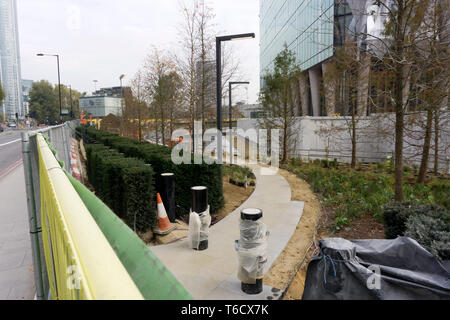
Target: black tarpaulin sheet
398,269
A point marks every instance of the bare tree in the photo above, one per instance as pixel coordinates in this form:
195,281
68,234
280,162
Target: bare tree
400,37
157,67
433,58
186,61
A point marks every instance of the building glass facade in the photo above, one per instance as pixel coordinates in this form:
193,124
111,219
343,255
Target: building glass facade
305,26
100,107
10,73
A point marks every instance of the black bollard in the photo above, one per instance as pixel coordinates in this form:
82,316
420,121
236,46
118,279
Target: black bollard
167,192
250,214
199,205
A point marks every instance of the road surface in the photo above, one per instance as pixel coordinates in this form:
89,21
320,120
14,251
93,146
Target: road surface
10,150
16,271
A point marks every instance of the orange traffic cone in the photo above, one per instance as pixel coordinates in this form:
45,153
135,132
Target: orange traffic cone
164,226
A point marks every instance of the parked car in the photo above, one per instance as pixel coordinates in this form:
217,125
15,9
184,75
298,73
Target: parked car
1,129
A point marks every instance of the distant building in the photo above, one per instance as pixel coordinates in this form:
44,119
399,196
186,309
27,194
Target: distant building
10,74
109,92
103,102
250,111
27,86
100,107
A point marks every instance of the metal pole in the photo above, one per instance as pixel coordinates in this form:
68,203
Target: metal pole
219,100
231,125
59,89
71,106
32,220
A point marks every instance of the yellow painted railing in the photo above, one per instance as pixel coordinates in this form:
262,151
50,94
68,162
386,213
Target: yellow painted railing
81,264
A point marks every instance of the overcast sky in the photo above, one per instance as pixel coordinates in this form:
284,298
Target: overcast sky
102,39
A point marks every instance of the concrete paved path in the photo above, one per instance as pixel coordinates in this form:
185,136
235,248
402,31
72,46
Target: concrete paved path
212,274
16,270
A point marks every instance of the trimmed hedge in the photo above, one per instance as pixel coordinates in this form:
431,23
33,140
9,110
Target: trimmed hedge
126,185
186,175
429,225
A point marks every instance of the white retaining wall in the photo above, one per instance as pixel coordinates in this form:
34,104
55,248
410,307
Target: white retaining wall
329,137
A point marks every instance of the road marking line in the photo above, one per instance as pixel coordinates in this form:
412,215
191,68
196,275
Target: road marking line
11,142
11,168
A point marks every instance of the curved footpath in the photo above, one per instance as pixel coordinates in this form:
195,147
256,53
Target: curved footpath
212,274
16,265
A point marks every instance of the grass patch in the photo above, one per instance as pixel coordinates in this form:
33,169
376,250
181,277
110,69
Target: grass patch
240,176
353,193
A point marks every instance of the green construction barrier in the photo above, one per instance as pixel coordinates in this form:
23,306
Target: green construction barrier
153,279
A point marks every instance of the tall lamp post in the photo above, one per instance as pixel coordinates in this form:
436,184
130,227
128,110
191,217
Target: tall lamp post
231,83
219,41
95,85
59,81
71,105
121,101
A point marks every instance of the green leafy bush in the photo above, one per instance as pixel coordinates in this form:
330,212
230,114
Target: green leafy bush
395,217
429,225
239,175
159,157
432,232
126,185
351,193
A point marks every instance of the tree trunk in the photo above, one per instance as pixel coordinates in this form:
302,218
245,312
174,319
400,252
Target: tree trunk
426,147
354,161
436,142
285,135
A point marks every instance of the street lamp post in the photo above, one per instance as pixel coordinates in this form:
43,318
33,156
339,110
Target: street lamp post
231,83
95,85
121,101
219,41
71,105
59,81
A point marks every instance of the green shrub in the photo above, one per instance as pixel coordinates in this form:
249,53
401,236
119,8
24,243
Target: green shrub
397,215
126,185
186,175
432,232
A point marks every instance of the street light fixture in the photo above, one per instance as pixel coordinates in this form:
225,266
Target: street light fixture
59,81
71,105
95,85
219,41
121,102
231,83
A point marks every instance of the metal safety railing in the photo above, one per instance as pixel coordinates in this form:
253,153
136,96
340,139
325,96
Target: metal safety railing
80,262
60,137
81,250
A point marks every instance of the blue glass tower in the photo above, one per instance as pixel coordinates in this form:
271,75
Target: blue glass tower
10,73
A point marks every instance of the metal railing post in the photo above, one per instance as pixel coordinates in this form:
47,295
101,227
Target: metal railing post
32,219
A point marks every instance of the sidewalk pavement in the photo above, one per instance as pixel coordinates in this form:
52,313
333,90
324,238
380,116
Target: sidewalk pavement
212,274
16,270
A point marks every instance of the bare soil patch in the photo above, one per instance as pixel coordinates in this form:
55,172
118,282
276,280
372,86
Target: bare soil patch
285,268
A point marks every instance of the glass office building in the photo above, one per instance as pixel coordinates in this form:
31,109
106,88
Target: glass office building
10,74
305,26
312,29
